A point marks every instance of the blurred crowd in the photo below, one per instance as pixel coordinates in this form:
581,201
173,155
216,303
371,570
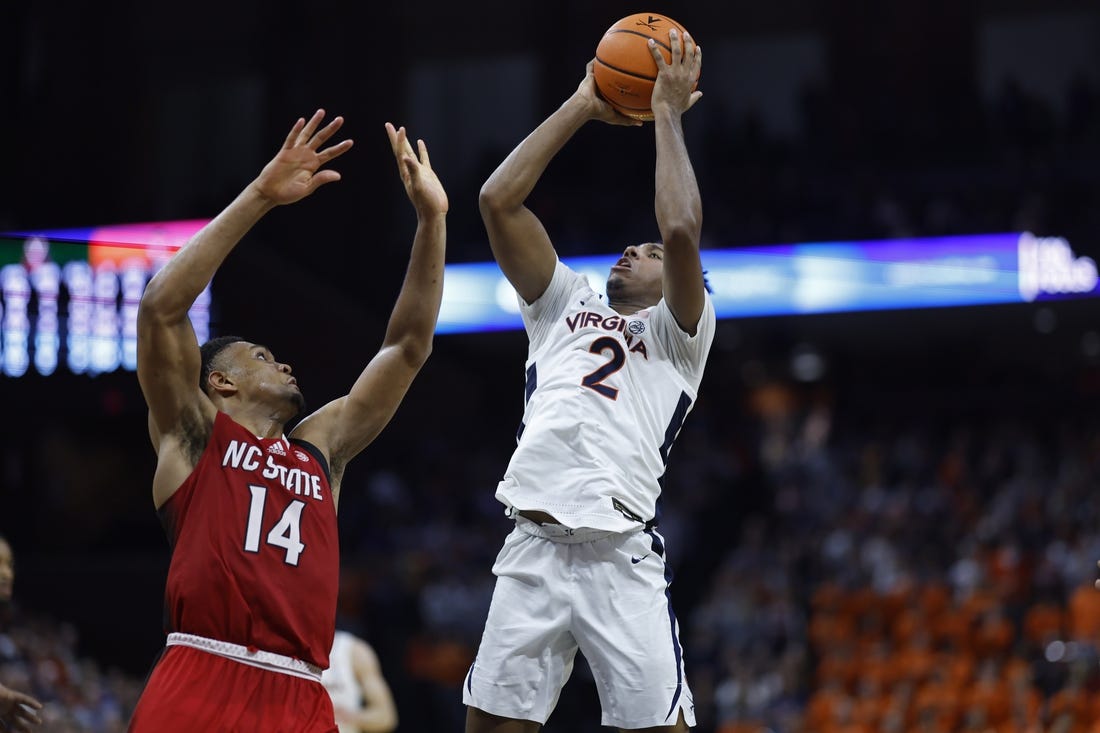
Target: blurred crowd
914,577
40,657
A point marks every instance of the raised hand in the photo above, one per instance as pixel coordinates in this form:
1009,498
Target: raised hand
421,183
677,79
295,171
598,107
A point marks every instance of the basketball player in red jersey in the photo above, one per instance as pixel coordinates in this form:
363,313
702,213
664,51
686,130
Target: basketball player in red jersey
250,602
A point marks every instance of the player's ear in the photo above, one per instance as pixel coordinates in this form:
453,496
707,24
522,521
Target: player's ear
221,382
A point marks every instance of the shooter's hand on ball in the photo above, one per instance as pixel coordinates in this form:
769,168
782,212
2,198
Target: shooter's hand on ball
677,79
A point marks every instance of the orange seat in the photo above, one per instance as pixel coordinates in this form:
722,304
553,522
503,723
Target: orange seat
1044,621
1083,615
993,633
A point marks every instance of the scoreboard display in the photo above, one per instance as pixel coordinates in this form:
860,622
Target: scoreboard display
69,298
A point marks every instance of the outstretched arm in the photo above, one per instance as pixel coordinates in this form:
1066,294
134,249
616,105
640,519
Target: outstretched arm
18,712
519,242
379,713
168,353
345,426
677,202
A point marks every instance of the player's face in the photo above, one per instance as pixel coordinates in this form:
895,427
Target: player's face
261,375
638,274
7,571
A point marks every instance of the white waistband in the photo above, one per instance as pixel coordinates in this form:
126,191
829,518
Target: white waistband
561,533
253,657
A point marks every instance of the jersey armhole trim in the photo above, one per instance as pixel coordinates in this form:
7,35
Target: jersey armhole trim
316,453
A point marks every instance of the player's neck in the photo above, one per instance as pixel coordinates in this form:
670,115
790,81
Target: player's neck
627,307
257,419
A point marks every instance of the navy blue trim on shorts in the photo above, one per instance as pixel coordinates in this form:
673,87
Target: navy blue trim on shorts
659,548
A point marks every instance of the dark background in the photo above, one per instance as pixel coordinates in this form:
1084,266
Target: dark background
846,119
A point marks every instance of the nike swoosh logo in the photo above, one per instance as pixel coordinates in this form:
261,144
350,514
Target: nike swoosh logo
637,560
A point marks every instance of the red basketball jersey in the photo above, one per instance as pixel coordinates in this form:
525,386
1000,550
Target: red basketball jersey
255,551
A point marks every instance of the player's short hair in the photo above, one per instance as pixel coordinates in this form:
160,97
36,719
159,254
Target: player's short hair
209,352
706,280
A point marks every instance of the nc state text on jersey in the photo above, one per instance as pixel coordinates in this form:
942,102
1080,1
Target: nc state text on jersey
248,457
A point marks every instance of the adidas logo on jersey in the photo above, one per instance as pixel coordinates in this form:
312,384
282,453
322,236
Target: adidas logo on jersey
277,449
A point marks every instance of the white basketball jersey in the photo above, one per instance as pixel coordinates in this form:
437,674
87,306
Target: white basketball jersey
339,678
606,396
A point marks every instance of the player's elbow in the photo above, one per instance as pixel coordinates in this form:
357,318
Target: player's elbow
415,351
681,231
158,304
494,199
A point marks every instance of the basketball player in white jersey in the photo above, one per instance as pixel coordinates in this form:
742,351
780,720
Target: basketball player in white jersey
608,387
360,695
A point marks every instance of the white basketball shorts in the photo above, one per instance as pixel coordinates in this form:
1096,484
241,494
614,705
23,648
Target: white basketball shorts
559,590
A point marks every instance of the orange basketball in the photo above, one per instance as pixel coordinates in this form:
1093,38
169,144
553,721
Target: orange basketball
624,69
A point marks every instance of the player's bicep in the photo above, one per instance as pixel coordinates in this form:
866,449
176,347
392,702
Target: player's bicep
168,363
684,290
522,249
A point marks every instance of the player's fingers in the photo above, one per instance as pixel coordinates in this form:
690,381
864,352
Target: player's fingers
326,132
695,97
689,48
334,151
27,700
398,144
412,168
656,54
311,126
322,177
402,142
422,148
394,135
28,717
676,45
295,131
23,721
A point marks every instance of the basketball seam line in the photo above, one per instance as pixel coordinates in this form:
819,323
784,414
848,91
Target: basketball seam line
625,72
643,35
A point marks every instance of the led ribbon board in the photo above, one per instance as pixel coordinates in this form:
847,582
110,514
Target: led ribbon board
69,297
823,277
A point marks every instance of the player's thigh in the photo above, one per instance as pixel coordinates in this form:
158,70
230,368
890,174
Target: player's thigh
527,649
627,630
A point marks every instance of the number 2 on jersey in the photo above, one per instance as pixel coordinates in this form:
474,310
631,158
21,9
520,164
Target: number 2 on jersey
594,380
286,533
